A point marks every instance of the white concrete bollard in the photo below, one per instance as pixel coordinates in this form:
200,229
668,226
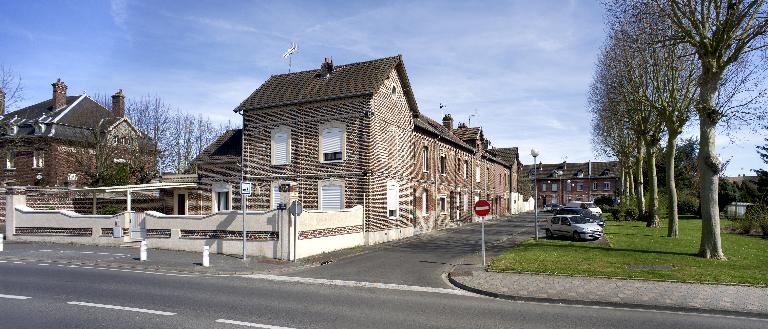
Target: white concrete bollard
206,252
1,242
143,251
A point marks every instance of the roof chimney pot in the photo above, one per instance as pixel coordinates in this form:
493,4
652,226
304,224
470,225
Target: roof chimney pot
448,121
59,94
118,104
327,67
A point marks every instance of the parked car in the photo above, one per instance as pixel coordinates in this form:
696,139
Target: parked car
575,226
548,207
569,211
555,207
585,205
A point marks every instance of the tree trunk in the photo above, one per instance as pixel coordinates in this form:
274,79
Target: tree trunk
653,187
709,164
623,183
671,189
639,179
631,183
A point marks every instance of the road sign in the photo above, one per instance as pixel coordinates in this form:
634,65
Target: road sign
295,209
482,208
246,188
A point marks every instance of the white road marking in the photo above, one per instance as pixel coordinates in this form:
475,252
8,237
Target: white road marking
3,261
103,253
249,324
123,308
45,250
358,284
18,263
14,297
86,252
43,264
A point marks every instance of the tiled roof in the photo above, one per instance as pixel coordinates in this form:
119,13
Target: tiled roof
567,170
73,121
435,127
228,145
349,80
508,154
468,134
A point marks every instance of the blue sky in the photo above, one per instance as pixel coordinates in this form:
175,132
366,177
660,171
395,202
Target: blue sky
523,66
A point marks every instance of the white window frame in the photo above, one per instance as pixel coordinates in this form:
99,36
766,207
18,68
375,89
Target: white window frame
330,182
274,194
554,187
606,186
466,163
464,201
543,187
221,188
38,159
442,203
425,159
579,186
393,199
332,125
176,194
273,145
477,174
443,164
10,160
424,203
594,186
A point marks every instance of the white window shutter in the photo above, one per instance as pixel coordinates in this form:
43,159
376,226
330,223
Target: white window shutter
275,196
281,148
393,199
330,198
331,140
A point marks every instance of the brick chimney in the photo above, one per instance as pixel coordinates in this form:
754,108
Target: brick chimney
327,67
59,94
118,104
2,102
461,125
448,122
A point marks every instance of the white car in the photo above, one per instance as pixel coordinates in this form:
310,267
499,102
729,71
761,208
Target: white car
575,226
591,206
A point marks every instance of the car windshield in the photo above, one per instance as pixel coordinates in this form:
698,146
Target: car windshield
579,220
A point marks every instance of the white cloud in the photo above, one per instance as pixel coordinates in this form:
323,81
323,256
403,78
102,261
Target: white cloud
119,12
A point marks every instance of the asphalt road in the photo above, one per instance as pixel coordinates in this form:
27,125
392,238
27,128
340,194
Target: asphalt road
78,297
421,260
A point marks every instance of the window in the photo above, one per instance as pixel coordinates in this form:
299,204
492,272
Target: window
424,196
281,146
594,186
500,181
568,186
606,186
555,220
10,161
37,159
222,201
464,201
442,165
466,164
331,144
442,204
393,199
554,187
579,186
331,196
275,195
543,187
425,159
477,174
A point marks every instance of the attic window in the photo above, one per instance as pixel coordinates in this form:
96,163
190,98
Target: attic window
394,89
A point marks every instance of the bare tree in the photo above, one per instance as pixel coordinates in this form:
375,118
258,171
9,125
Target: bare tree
721,32
11,87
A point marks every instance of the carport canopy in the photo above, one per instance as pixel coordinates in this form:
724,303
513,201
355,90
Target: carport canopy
130,188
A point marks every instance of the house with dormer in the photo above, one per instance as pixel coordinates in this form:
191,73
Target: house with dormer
53,142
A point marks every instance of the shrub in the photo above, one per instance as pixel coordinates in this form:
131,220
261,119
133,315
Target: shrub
687,204
616,212
111,210
604,201
756,217
630,213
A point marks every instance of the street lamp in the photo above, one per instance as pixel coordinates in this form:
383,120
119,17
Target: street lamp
534,154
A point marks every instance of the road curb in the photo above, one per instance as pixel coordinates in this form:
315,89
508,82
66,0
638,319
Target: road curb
631,306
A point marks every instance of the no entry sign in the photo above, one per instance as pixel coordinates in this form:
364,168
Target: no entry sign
482,208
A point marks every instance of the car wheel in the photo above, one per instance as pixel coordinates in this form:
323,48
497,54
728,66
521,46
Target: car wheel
576,236
548,232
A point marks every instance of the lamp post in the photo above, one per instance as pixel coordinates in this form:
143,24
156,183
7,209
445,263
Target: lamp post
534,154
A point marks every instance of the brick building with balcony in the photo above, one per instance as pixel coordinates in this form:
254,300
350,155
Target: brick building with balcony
568,181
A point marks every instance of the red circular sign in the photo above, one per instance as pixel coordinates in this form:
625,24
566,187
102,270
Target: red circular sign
482,208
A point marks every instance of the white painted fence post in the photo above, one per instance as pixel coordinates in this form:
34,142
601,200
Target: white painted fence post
206,252
1,242
143,251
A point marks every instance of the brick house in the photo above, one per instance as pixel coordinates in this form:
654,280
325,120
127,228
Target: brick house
42,143
567,181
351,135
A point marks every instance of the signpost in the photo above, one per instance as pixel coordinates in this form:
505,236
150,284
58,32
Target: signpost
246,189
295,210
482,208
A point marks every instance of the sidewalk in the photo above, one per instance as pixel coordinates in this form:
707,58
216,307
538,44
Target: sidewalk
676,296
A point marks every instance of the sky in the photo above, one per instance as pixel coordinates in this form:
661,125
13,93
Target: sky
520,69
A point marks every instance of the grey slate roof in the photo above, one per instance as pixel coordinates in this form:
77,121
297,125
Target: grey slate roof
73,121
227,146
567,170
434,127
349,80
509,155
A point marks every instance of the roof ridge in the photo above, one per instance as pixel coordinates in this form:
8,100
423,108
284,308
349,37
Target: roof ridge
340,66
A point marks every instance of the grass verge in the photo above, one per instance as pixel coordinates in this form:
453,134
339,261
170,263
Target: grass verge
634,246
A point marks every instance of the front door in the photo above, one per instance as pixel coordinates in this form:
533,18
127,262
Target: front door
181,204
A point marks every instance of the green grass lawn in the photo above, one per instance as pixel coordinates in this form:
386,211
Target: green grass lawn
631,243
